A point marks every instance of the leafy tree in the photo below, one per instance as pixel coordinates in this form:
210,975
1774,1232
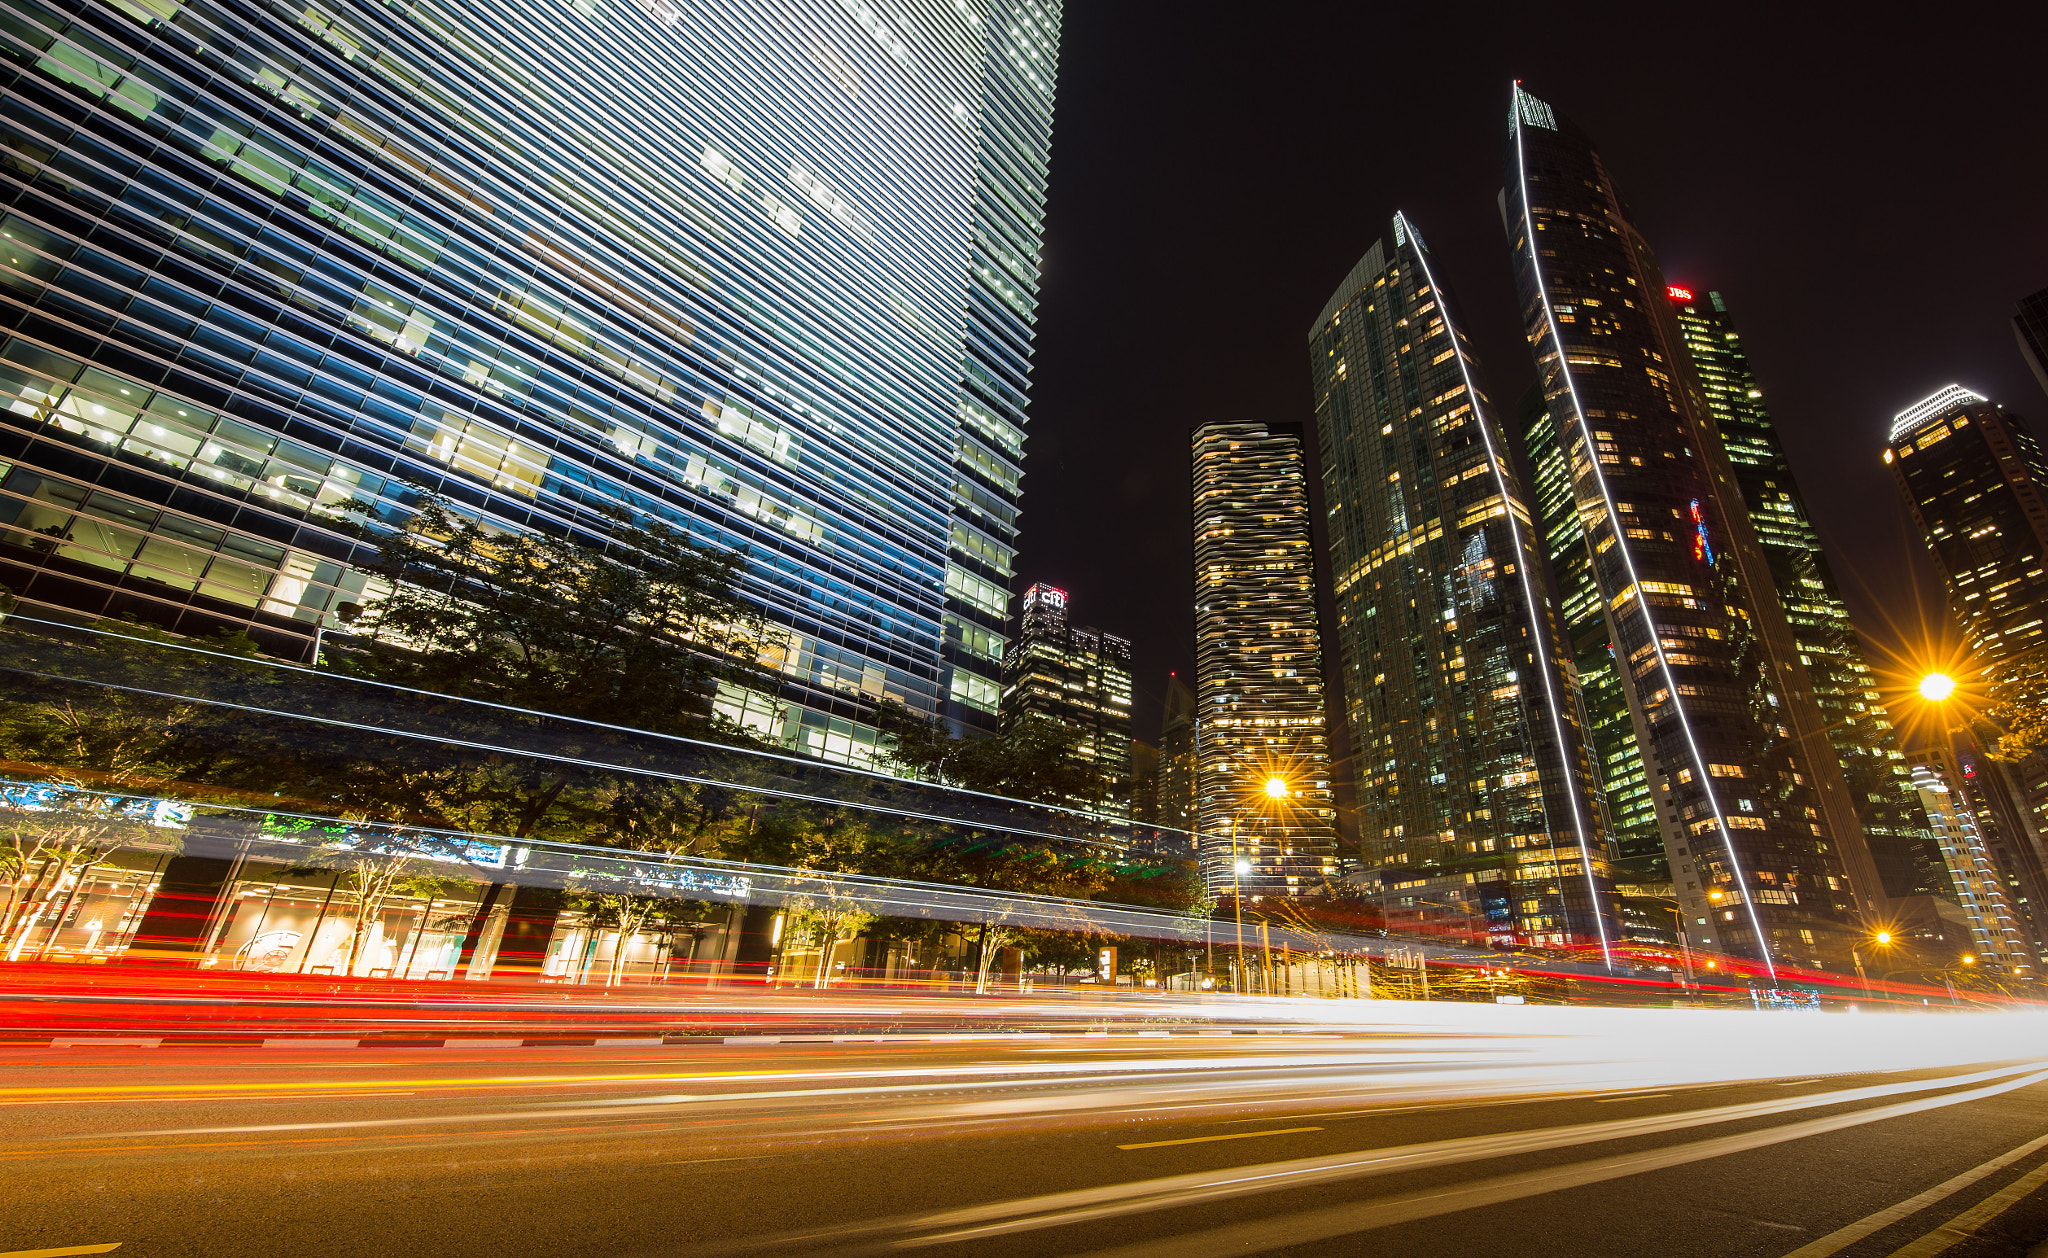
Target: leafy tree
1033,758
46,853
379,862
635,633
2018,707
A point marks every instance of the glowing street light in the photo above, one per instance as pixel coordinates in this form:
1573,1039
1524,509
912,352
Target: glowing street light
1882,938
1276,788
1243,866
1937,687
1969,960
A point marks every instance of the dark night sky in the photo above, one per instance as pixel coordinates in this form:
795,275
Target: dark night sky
1870,197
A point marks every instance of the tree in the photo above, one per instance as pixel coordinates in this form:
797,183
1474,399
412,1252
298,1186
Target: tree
61,837
1034,758
638,632
2018,706
379,862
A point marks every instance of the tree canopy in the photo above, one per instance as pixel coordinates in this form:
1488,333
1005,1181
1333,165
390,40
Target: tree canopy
636,632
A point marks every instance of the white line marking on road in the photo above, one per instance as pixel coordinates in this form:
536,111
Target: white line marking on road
1840,1239
1646,1096
1965,1225
1081,1205
1331,1222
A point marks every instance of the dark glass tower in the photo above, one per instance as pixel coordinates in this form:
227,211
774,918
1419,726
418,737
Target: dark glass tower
1177,767
1079,677
1259,667
1637,840
1976,480
1762,839
768,276
1472,774
1880,783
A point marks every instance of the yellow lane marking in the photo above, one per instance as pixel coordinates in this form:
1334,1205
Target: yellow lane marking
1160,1144
1645,1096
59,1253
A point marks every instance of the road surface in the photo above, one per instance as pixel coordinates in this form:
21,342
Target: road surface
1430,1130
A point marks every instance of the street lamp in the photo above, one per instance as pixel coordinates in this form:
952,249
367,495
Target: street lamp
1883,939
1937,687
1274,789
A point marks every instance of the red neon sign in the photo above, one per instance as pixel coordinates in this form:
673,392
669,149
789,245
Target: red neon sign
1681,294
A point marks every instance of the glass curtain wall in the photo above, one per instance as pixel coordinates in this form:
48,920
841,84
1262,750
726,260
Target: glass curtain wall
272,273
1470,759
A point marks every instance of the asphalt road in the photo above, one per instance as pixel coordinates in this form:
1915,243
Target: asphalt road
1432,1135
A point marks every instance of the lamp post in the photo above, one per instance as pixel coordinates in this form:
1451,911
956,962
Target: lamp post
1273,789
1883,939
1237,869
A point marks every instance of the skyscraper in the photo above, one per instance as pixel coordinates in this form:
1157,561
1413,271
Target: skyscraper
1974,477
1976,481
1471,768
270,271
1887,804
1079,677
1177,767
1259,667
1762,841
1967,831
2030,325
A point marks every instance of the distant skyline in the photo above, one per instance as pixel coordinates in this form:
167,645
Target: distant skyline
1873,229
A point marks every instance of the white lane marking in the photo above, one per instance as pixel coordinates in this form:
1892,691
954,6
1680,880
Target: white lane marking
1965,1225
1646,1096
1081,1205
1331,1222
1842,1238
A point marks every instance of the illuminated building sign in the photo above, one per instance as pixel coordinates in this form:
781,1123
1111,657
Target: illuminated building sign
1677,293
1702,549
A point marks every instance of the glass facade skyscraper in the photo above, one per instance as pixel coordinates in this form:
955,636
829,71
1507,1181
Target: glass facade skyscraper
1259,711
1470,762
1081,678
766,274
1763,843
1909,862
1976,480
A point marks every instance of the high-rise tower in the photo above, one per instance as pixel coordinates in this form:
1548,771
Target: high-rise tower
276,269
1880,783
1259,666
1976,480
1079,677
1177,767
1764,845
1471,767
